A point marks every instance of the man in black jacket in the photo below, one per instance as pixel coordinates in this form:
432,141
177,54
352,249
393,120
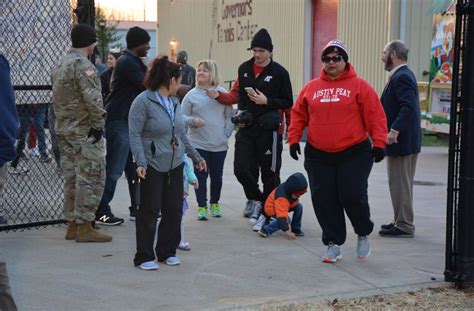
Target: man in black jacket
126,83
264,88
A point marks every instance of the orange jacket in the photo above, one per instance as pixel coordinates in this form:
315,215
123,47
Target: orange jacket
280,201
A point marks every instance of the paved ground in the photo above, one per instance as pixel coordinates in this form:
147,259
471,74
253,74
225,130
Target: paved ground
229,266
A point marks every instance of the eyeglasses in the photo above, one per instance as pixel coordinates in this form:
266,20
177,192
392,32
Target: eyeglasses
334,59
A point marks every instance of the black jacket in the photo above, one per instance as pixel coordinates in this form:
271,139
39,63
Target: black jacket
126,83
401,105
273,81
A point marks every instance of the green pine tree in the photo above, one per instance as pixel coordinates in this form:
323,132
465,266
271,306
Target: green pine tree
106,33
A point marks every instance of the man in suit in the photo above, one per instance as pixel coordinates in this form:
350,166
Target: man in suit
401,105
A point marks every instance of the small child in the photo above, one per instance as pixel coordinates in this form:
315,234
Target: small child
189,178
282,200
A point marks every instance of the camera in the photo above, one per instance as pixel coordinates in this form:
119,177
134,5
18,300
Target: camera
242,117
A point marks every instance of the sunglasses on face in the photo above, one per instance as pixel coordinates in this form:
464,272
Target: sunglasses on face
334,59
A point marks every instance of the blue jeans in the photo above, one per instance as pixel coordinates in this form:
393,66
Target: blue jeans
273,226
37,112
52,132
215,168
118,147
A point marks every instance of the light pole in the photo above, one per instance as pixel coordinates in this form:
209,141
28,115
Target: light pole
102,39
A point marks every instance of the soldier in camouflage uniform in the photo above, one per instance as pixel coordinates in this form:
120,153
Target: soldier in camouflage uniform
80,120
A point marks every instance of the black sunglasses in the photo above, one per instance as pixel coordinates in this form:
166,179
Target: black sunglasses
334,59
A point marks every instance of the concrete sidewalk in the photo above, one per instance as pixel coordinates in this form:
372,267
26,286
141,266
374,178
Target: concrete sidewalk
230,266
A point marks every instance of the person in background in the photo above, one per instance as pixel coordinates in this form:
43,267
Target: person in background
189,73
209,131
80,119
99,64
401,103
106,76
126,83
347,131
282,200
232,97
8,129
158,141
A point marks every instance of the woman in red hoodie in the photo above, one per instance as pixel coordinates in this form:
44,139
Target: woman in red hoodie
347,131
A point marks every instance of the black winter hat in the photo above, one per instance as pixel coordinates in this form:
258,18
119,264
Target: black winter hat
82,35
263,40
136,36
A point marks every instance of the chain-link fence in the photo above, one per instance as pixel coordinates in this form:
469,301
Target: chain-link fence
34,35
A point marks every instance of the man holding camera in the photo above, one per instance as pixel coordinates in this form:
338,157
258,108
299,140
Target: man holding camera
264,89
80,119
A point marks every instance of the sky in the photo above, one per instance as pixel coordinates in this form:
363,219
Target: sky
130,9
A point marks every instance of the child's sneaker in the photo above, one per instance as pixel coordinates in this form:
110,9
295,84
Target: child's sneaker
216,210
263,233
333,253
184,246
202,213
298,232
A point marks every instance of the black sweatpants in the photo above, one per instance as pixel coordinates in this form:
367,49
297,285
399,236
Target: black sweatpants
254,152
159,192
338,183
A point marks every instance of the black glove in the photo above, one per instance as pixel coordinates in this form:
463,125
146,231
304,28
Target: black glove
379,154
295,150
96,134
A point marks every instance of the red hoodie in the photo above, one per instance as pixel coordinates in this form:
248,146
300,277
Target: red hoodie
339,113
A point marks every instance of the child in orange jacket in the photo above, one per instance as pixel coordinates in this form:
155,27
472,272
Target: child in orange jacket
282,200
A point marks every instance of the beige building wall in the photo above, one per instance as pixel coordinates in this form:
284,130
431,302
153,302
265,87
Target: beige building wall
367,25
222,30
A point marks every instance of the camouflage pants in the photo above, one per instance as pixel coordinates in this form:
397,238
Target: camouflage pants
83,166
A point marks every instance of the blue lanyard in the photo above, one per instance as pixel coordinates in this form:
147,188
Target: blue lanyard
167,105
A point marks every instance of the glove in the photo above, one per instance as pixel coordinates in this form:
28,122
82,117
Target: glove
379,154
295,150
94,135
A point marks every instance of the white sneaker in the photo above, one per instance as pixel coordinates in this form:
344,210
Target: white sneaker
333,253
260,223
363,247
248,210
256,212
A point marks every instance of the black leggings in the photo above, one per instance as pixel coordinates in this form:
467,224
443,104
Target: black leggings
338,183
159,192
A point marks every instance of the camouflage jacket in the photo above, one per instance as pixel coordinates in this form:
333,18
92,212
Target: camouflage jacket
77,97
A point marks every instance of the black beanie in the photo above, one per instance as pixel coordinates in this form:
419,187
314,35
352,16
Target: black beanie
263,40
82,35
136,36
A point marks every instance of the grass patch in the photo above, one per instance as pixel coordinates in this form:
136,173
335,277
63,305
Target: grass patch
431,139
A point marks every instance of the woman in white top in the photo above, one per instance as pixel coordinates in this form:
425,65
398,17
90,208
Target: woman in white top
209,131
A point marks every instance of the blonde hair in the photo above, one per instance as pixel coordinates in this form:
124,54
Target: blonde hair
210,65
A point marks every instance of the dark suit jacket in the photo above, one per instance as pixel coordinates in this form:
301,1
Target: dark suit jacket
401,104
